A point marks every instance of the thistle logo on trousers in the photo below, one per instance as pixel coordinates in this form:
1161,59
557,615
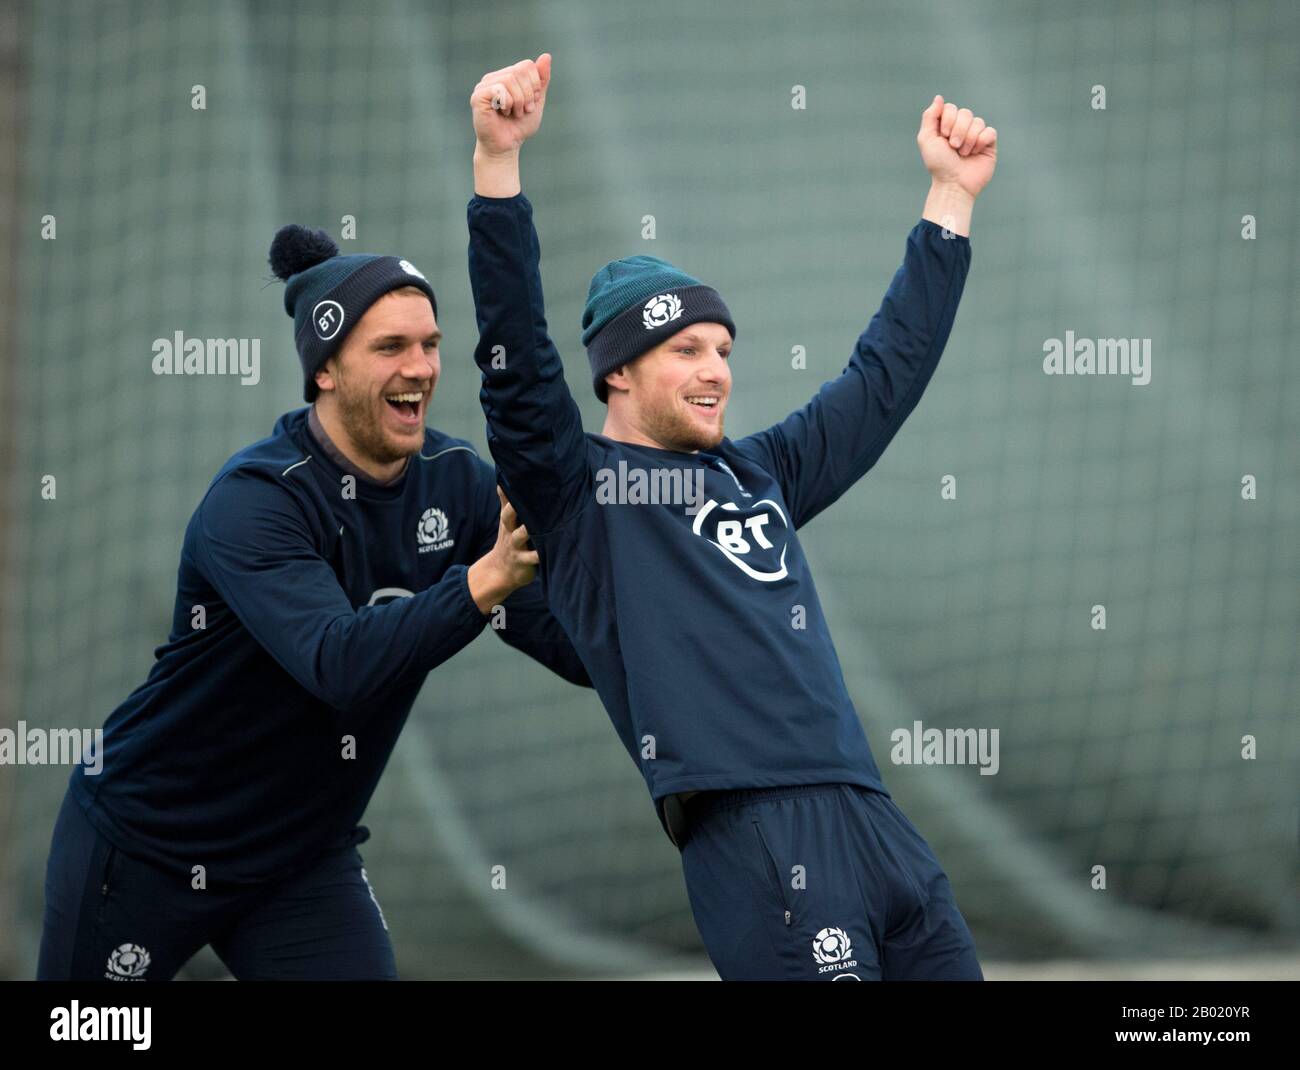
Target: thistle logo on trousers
753,539
128,962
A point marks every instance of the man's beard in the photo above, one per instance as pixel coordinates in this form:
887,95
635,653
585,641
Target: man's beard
361,423
675,430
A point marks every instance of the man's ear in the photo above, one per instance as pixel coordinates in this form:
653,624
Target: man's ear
618,378
325,375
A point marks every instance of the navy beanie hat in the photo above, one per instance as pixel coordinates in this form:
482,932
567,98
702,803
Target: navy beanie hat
327,293
635,303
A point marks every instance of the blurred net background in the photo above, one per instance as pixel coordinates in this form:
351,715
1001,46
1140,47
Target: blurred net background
1119,748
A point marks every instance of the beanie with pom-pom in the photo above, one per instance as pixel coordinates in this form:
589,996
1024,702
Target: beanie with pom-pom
327,293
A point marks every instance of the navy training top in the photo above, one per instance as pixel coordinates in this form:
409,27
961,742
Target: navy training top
326,600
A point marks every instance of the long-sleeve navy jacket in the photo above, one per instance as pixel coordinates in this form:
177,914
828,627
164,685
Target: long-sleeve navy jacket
700,625
325,602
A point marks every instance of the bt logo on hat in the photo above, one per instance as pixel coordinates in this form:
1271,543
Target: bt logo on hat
327,318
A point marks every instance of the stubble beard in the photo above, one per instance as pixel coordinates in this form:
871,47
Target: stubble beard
674,430
362,425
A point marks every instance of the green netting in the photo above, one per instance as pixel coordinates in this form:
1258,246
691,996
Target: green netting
1119,748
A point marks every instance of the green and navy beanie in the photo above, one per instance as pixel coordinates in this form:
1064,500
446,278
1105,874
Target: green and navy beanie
635,303
327,293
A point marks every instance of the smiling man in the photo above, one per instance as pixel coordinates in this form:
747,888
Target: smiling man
327,570
698,619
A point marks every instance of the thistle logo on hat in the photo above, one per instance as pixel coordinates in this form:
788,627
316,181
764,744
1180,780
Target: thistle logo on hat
326,291
635,303
660,310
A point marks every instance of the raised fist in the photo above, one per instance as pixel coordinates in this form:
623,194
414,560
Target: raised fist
507,104
957,148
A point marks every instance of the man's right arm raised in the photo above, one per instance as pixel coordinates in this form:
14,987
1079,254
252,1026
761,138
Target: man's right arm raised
534,426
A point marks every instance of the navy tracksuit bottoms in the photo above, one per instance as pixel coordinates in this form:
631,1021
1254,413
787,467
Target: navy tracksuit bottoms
827,882
109,916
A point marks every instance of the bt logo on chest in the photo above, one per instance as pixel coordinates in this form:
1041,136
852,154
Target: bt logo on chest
754,539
